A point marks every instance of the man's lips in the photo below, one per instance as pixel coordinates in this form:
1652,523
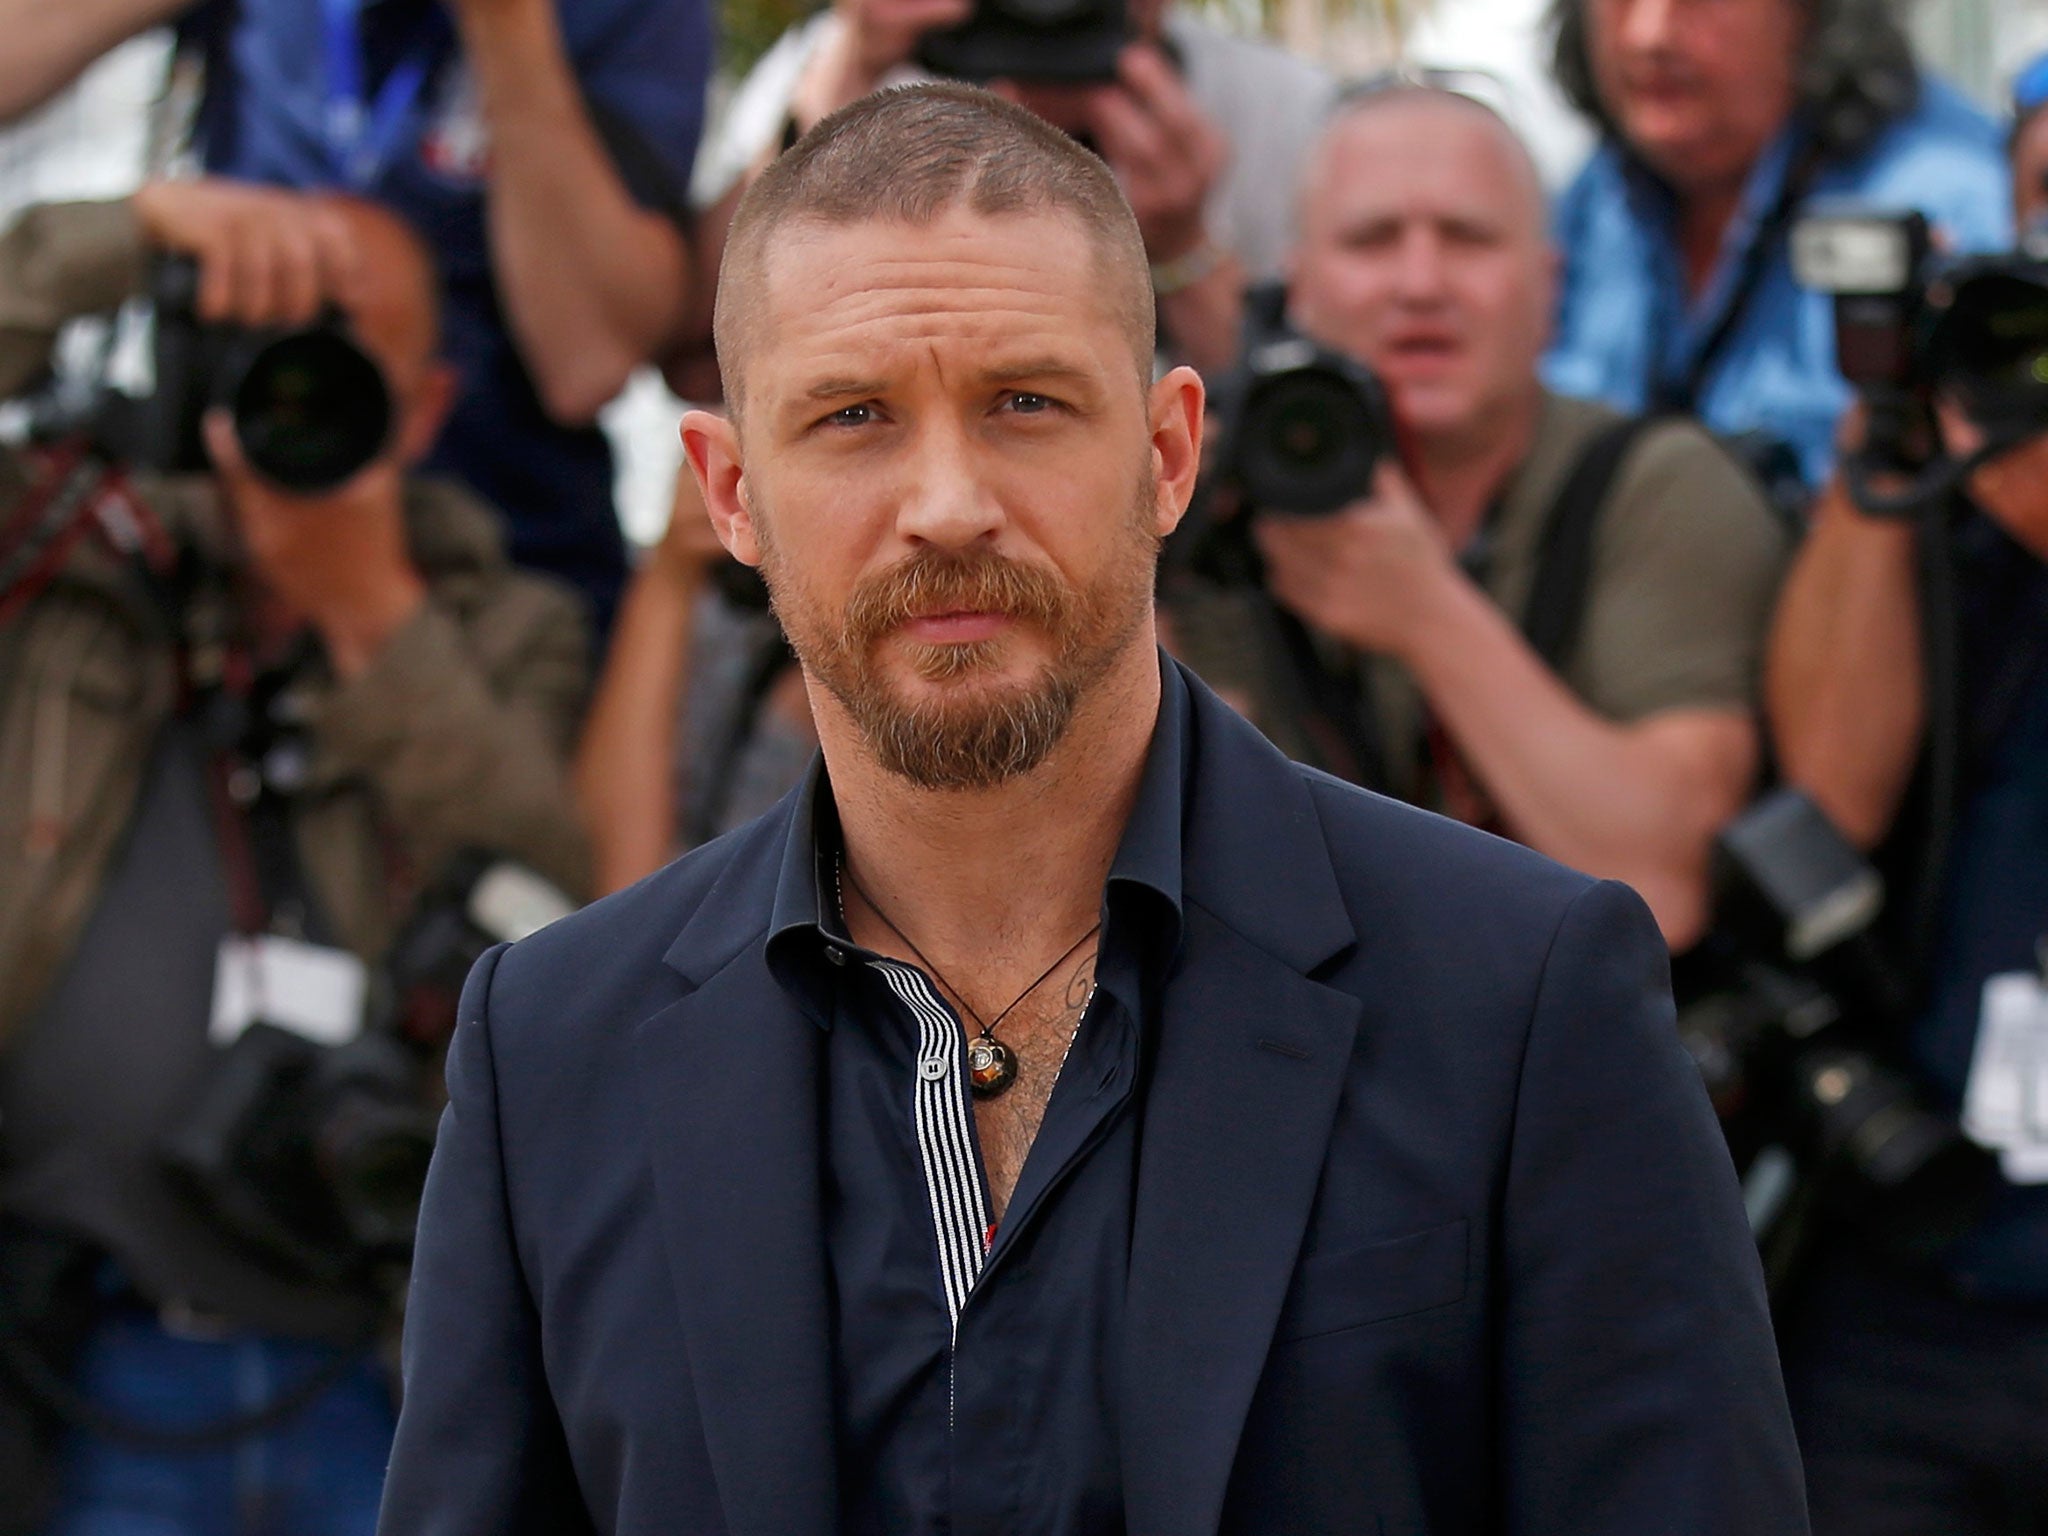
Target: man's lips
956,628
1420,352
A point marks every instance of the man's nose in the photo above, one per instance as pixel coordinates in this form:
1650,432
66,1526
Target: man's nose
948,499
1419,271
1645,26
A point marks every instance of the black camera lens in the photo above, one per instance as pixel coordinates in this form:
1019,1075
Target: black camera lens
1991,346
311,410
1307,442
1916,1170
1042,13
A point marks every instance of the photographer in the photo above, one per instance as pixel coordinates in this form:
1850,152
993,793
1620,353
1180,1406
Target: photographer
543,147
1717,122
1907,685
246,729
1205,131
1423,256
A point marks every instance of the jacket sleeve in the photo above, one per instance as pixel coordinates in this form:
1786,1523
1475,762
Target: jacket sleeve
57,262
479,1451
465,751
1639,1381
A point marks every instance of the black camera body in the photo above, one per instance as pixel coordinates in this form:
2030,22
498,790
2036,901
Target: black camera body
315,1156
311,409
1911,324
1305,426
1798,1044
1068,41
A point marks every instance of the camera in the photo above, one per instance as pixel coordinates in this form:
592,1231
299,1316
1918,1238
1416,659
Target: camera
310,407
1911,324
1073,41
1797,1042
314,1156
1305,426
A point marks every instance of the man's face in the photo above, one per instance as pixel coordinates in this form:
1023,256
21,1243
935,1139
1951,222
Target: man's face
1423,255
953,481
2030,172
1697,87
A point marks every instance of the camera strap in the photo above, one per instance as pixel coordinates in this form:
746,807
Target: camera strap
1555,611
1680,395
74,494
267,887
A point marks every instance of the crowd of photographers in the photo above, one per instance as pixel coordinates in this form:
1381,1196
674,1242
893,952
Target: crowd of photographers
1693,531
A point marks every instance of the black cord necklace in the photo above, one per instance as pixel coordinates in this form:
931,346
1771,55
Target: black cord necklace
991,1065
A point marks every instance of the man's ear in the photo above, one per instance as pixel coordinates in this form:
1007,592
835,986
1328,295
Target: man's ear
712,445
1176,410
426,413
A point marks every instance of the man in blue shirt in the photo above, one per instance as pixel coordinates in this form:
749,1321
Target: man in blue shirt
540,146
1919,1386
1717,122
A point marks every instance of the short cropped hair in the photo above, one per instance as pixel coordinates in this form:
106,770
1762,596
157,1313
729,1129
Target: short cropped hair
908,155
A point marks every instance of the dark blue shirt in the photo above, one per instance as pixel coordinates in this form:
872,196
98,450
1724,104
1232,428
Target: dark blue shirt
642,65
1995,901
1004,1421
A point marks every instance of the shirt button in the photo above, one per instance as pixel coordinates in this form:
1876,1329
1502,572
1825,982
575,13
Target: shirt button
932,1068
835,954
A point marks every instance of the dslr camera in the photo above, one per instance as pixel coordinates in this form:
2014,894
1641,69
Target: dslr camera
1071,41
315,1156
1798,1040
1304,425
310,407
1911,325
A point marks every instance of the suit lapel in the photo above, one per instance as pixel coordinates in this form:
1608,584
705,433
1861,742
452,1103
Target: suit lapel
729,1082
1248,1068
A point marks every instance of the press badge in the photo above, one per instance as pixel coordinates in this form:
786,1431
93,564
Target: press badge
309,989
2005,1104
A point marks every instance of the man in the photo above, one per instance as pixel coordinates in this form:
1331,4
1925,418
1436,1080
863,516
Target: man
1280,1207
543,149
1717,123
1915,711
1204,130
1422,254
2029,147
163,854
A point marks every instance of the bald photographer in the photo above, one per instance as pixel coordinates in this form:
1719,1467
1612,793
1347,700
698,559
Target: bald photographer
1525,611
283,747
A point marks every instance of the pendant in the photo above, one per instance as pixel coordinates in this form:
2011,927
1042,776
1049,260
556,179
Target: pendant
991,1066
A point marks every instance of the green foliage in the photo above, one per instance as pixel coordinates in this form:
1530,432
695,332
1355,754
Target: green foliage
747,28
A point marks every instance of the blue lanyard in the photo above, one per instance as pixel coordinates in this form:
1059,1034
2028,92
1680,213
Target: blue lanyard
363,135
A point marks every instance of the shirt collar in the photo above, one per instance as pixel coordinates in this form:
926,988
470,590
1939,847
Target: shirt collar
807,942
1657,207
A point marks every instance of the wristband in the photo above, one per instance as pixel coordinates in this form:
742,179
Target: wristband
1187,269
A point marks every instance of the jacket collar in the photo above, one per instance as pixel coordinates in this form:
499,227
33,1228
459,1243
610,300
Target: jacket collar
1247,1067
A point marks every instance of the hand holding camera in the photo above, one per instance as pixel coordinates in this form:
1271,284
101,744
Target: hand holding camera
1166,154
266,258
1368,574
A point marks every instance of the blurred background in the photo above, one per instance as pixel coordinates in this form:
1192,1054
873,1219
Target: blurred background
92,141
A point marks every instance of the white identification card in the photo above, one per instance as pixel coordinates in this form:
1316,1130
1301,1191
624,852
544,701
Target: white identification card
308,989
2005,1104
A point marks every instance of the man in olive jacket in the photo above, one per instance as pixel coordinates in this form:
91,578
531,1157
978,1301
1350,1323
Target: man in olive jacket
432,692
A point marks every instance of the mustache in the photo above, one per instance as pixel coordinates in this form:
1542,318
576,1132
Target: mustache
934,581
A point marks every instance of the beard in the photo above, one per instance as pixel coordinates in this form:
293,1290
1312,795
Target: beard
967,730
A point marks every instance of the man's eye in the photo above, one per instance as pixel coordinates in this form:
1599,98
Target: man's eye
1027,404
851,416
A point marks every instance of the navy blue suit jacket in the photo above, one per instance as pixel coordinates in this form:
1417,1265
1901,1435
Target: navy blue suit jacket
1433,1228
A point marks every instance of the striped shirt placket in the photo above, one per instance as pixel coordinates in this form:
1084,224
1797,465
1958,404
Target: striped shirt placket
944,1139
